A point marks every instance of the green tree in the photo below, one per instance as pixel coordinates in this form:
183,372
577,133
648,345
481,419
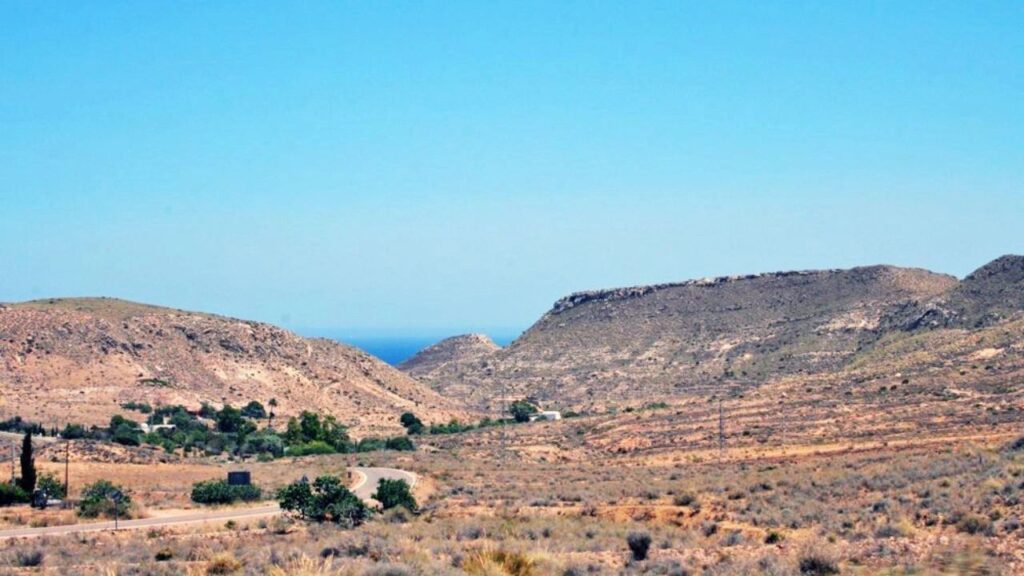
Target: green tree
326,500
124,431
28,465
73,431
98,499
402,443
11,494
230,420
53,488
521,410
220,492
393,494
310,425
262,443
254,410
412,424
309,428
336,434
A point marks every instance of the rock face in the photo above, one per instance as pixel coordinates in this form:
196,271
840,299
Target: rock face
77,360
636,344
991,294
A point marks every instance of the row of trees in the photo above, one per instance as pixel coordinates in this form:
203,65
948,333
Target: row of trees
234,431
520,411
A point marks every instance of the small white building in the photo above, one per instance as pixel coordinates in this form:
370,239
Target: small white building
147,427
550,415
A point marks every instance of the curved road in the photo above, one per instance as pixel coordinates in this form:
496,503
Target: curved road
365,486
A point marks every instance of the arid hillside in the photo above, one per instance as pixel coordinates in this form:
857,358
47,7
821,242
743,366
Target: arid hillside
628,345
78,359
991,294
449,355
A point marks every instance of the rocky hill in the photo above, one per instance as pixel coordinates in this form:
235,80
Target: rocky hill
449,355
629,345
991,294
78,359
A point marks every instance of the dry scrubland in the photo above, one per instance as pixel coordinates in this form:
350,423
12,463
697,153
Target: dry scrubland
786,497
903,464
871,419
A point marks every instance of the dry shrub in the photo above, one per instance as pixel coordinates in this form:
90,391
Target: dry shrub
223,564
305,566
498,563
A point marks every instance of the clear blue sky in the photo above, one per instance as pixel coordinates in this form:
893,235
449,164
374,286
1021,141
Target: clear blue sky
426,168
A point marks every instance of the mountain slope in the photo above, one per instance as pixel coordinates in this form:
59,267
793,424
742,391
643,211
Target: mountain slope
651,342
449,355
991,294
78,359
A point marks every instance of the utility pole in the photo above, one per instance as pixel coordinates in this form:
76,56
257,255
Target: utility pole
721,430
12,463
67,460
504,399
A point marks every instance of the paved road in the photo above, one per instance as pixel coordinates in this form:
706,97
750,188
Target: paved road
364,487
369,477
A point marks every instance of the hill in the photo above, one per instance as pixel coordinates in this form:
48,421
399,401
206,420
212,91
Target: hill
991,294
630,345
79,359
449,354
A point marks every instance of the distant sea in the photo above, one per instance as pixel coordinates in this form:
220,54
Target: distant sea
396,349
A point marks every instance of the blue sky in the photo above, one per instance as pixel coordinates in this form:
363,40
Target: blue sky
425,168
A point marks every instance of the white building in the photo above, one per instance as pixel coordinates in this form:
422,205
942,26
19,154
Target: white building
547,415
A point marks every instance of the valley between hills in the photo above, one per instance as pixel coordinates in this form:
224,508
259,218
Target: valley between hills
858,421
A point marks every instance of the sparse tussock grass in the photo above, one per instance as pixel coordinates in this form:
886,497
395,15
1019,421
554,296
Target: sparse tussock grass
305,566
224,563
498,563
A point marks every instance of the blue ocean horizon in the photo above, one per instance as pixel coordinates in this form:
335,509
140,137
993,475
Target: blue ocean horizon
396,349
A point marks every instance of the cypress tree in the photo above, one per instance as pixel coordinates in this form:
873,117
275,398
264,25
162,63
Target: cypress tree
28,465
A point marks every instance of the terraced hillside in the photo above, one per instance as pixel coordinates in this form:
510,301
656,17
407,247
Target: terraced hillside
79,359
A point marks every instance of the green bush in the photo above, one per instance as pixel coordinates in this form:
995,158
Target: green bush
639,543
220,492
309,427
401,443
254,410
97,500
453,427
138,406
370,444
11,494
124,431
263,442
521,410
73,432
412,424
394,494
815,564
231,421
325,500
49,484
310,448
